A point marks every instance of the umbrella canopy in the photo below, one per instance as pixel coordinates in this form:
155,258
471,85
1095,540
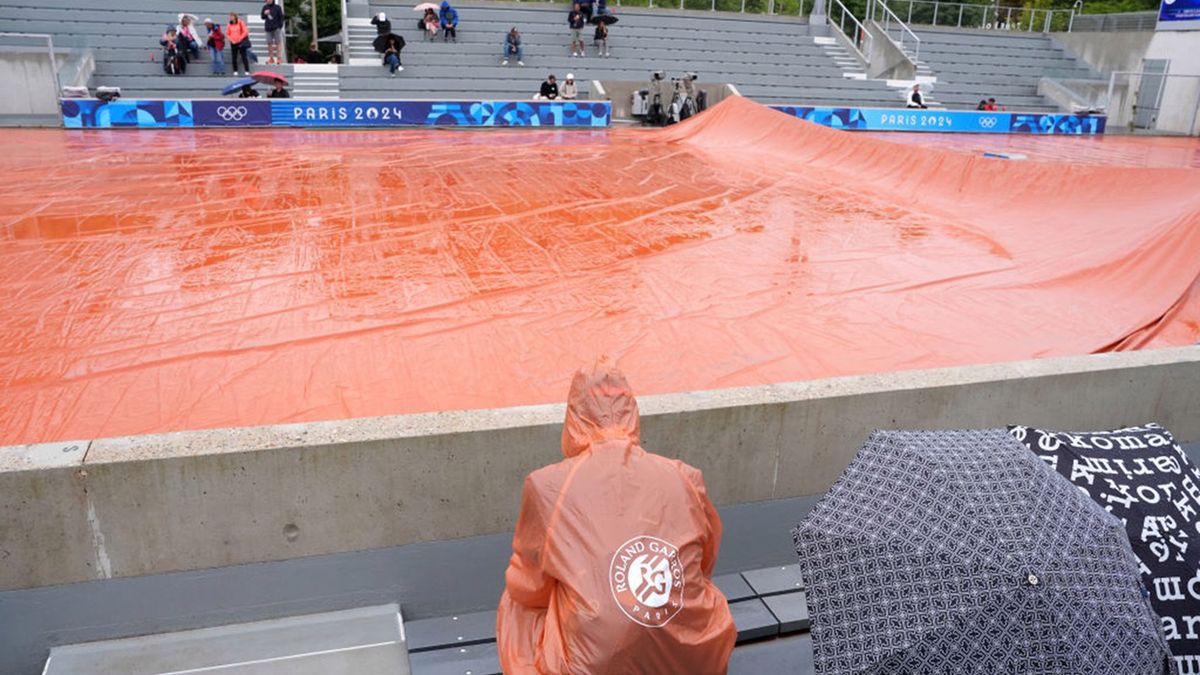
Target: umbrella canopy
380,43
237,85
427,5
604,18
941,552
195,19
267,77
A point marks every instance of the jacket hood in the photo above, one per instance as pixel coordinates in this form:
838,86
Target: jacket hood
600,407
445,4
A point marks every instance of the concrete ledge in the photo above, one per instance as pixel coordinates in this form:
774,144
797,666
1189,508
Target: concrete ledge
195,500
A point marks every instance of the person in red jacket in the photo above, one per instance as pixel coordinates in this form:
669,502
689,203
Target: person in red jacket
216,46
612,561
239,41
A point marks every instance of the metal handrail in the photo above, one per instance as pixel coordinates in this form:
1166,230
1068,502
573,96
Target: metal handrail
888,17
860,41
977,16
345,55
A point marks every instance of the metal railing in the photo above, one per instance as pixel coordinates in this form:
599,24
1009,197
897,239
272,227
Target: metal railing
1154,100
1117,21
905,38
993,17
860,39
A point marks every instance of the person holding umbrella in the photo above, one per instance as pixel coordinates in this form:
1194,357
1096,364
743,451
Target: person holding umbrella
272,79
272,16
431,23
248,91
392,44
239,41
449,18
600,37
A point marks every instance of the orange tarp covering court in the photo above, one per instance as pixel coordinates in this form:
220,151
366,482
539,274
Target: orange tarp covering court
155,281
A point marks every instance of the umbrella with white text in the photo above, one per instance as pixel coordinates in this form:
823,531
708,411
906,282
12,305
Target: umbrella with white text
1141,476
940,552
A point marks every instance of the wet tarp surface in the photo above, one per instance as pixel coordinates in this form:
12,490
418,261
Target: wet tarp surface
155,281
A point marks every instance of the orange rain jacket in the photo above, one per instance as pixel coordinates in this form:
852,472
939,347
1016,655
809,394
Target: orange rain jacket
613,555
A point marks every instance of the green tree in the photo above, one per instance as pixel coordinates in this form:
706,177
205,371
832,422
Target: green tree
300,28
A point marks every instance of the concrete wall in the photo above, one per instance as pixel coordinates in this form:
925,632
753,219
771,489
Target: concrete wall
885,60
1107,52
193,500
27,76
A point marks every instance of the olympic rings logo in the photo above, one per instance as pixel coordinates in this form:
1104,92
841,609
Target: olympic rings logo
232,113
987,122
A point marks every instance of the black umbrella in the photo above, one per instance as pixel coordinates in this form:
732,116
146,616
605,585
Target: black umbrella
1141,476
380,42
941,552
604,18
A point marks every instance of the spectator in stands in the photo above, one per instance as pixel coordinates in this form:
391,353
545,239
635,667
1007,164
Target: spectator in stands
982,104
613,555
549,90
272,16
431,23
512,47
381,23
248,91
600,37
173,61
992,105
188,40
601,7
215,41
335,58
569,90
239,41
915,100
314,55
392,46
279,91
449,19
576,22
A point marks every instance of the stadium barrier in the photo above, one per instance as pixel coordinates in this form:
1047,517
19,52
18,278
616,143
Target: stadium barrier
188,113
949,121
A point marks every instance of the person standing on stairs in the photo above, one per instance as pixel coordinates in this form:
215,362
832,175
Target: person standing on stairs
272,16
216,46
576,21
239,41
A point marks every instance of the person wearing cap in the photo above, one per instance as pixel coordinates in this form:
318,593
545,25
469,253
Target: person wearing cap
569,90
381,23
549,88
216,46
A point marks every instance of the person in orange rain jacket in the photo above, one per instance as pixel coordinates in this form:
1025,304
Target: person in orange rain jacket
613,555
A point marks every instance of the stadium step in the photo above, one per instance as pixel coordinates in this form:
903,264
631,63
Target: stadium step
320,81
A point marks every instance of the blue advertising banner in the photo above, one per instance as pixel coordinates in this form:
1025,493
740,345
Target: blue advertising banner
94,114
232,113
441,113
1179,15
947,121
91,113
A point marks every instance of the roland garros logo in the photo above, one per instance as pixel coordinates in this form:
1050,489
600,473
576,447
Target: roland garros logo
647,580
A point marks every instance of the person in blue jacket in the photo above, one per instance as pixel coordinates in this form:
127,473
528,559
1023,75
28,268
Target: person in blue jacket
448,17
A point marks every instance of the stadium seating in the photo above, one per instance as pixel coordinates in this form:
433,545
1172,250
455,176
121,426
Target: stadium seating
1006,65
124,35
769,59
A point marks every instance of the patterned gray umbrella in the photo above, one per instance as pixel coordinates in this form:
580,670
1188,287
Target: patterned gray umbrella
962,552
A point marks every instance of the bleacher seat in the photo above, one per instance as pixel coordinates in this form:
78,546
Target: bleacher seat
971,65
